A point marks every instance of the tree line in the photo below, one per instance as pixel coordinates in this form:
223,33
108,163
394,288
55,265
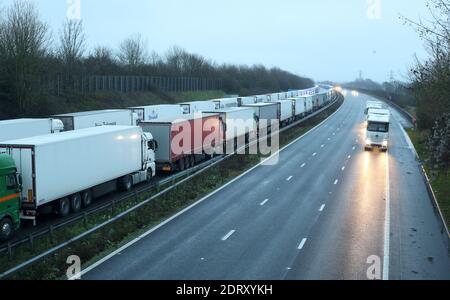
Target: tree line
31,56
431,82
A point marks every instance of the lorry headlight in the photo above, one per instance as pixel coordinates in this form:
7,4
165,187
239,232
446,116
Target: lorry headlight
385,143
368,142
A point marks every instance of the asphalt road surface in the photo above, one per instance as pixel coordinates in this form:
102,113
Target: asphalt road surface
327,210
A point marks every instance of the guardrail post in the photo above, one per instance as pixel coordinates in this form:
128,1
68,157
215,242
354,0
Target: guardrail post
85,219
51,232
31,238
136,196
113,206
10,251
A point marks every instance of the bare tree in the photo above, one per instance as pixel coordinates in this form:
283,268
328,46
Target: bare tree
24,42
133,52
72,42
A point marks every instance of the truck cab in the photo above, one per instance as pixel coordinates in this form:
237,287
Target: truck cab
9,197
377,133
150,146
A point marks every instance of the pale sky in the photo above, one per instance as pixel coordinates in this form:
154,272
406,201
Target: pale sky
321,39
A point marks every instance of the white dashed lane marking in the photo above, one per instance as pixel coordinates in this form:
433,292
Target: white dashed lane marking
227,236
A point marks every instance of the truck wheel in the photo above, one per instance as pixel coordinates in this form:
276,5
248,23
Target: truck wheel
86,198
75,203
149,175
125,183
63,208
6,229
187,162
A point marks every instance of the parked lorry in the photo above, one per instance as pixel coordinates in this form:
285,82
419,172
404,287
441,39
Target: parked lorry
299,104
309,103
153,112
246,100
65,172
23,128
238,126
88,119
373,104
379,111
264,114
274,97
262,98
286,111
181,139
197,107
226,103
377,132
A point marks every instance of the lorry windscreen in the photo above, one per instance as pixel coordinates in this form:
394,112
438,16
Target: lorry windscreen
378,127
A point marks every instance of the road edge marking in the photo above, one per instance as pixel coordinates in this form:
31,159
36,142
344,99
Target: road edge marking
387,224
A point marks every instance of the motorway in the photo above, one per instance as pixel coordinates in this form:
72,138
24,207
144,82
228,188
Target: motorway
326,210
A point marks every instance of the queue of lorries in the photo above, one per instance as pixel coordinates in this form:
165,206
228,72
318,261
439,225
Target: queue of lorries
62,163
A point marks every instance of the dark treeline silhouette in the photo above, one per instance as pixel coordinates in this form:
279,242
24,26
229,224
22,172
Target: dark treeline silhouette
400,93
39,68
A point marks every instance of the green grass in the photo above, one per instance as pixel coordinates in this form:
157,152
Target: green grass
440,180
111,237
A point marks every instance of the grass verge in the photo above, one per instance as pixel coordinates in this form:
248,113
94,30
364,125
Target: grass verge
111,237
440,180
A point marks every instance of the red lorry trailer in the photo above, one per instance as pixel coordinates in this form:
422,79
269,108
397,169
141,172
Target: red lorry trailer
185,140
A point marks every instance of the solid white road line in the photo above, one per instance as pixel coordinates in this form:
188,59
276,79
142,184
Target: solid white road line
264,202
226,237
303,165
289,178
302,244
162,224
336,181
322,207
387,224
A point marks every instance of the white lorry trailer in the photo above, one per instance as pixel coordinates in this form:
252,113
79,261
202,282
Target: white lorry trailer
246,100
197,107
153,112
286,111
299,104
379,111
64,172
23,128
377,132
264,114
373,104
88,119
238,125
226,103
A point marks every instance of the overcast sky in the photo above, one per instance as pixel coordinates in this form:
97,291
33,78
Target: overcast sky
322,39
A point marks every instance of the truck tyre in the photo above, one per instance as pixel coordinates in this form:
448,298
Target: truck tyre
125,183
86,198
6,229
63,207
149,175
75,203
